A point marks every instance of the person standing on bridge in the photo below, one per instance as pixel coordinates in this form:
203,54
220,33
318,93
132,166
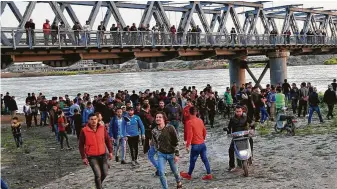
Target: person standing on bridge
77,29
54,32
101,29
30,35
46,32
86,29
233,36
63,37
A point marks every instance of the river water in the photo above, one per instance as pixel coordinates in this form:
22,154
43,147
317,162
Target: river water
319,75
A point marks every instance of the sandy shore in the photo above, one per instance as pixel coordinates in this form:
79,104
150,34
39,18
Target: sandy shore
307,160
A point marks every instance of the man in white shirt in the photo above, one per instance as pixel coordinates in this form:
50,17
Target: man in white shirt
87,29
28,114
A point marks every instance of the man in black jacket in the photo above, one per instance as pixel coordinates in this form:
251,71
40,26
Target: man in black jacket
330,99
238,123
313,103
147,120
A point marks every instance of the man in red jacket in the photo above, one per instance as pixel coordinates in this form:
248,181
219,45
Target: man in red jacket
196,134
46,32
92,145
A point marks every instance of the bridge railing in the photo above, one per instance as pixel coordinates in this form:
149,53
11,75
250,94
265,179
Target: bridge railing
70,38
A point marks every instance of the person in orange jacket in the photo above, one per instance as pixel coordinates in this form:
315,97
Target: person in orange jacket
46,32
186,115
196,135
93,141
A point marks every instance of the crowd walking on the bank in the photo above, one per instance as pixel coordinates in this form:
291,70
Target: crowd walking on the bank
108,123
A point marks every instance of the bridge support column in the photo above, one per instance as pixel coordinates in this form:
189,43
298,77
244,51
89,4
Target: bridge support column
237,71
278,66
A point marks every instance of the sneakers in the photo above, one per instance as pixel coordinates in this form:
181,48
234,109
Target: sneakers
123,162
133,163
117,159
185,175
62,149
207,177
137,162
232,169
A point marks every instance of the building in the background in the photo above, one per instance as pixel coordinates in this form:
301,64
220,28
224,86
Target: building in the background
84,65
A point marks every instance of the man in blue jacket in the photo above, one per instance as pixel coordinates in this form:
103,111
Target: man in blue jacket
134,123
86,112
117,132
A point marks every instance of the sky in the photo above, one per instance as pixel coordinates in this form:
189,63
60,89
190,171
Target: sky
43,11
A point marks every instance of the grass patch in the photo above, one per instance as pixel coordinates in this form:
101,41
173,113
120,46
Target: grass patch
331,61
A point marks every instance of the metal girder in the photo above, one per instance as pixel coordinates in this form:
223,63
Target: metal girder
238,3
273,24
58,13
62,7
202,18
3,6
188,17
306,24
157,17
163,15
72,14
106,18
246,23
312,11
265,22
94,12
253,22
282,7
276,13
293,24
15,10
286,22
332,27
182,20
313,23
116,14
213,21
235,20
148,11
134,6
222,25
25,18
323,25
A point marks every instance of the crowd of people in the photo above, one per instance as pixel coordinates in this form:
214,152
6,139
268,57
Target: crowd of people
57,33
106,123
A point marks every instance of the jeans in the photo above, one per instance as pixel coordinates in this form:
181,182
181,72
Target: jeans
46,39
62,135
99,165
313,109
162,160
43,119
120,143
175,123
151,153
18,140
196,150
57,132
133,145
264,114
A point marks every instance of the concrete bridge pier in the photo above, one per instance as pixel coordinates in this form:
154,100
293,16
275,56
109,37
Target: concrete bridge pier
278,66
237,71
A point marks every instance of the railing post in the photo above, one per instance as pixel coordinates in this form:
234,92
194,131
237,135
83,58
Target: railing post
85,39
13,40
121,38
153,39
59,37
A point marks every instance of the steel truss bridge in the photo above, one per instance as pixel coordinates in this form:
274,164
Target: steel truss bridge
68,47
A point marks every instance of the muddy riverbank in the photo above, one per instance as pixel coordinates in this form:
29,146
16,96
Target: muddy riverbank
307,160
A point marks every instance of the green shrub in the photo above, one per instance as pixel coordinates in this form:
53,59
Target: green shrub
331,61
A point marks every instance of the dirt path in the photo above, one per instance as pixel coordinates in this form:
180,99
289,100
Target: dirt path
304,161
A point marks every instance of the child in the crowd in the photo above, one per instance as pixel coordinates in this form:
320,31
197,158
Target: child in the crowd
16,130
